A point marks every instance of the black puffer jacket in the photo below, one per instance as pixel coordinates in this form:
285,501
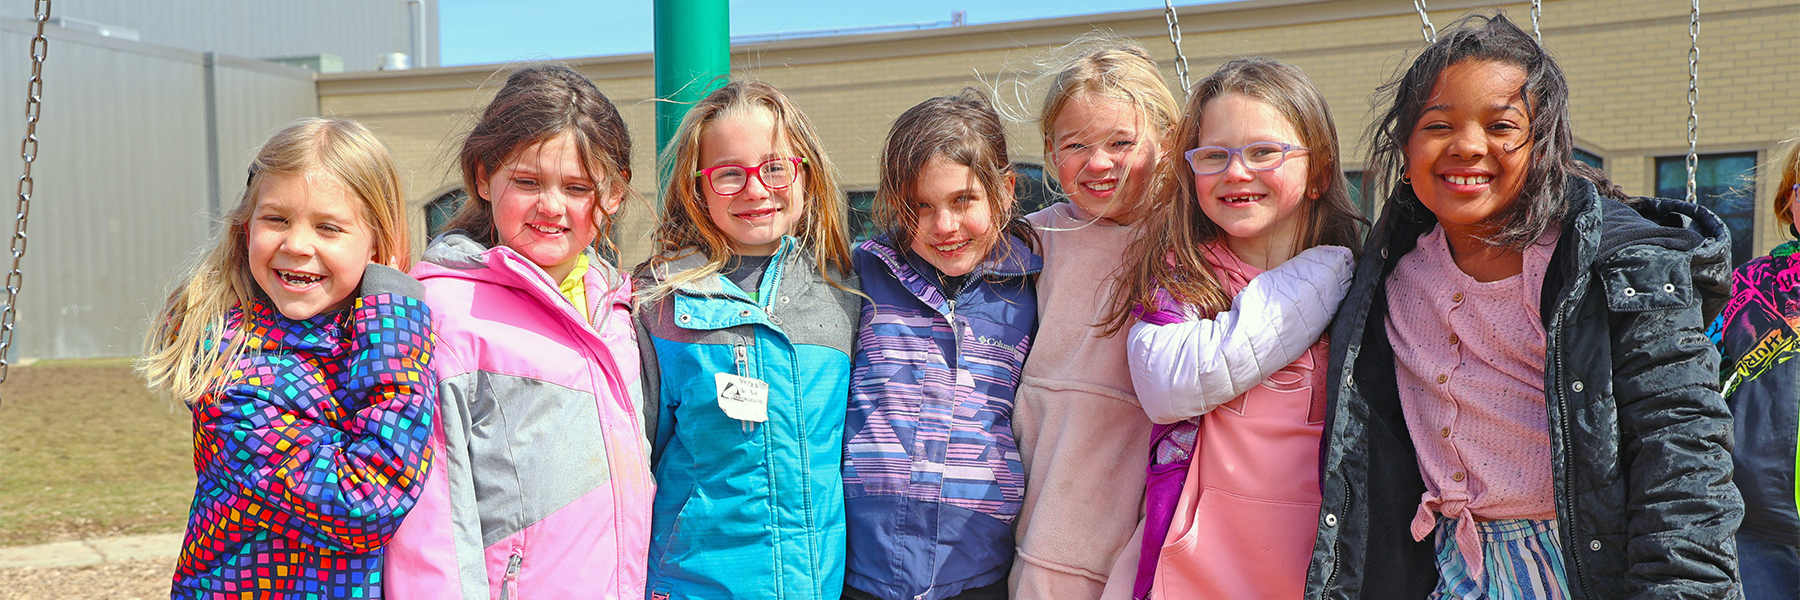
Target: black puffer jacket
1640,437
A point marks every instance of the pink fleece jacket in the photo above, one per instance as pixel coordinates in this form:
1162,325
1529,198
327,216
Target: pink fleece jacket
1082,436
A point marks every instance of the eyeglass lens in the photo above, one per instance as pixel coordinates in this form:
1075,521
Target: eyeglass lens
775,174
1261,157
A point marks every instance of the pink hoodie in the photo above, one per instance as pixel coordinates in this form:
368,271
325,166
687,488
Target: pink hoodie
542,485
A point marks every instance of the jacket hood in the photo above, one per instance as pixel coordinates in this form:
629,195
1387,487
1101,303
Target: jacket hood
455,254
1675,225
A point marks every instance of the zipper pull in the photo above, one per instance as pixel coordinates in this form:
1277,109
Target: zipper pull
509,583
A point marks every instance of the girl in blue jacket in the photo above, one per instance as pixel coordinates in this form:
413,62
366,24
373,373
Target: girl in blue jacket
747,321
932,476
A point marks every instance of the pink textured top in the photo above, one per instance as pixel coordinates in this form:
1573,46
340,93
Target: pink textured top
1469,357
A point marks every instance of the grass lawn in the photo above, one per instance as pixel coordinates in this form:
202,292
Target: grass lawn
86,451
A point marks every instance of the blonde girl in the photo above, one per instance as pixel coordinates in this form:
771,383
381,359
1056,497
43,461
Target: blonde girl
748,315
304,356
1082,436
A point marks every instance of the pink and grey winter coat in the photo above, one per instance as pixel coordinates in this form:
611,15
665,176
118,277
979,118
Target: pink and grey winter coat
541,487
932,477
311,450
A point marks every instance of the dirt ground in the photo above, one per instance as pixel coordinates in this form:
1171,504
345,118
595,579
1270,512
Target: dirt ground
87,452
124,580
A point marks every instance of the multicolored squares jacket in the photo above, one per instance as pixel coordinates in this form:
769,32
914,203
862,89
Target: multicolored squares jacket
1757,339
748,509
932,478
312,449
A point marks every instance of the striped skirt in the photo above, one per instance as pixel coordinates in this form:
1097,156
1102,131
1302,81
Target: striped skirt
1521,557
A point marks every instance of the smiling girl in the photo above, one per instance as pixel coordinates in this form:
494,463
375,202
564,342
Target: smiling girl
305,357
544,490
1080,430
949,320
1524,403
1238,272
748,315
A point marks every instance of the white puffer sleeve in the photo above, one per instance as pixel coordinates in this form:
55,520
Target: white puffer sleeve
1183,370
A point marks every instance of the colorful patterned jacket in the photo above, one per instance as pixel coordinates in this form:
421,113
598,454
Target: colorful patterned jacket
313,449
1757,338
932,478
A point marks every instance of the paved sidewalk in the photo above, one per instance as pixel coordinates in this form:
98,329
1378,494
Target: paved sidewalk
91,552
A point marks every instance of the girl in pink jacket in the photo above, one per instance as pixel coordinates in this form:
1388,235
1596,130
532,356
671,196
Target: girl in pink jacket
1227,356
542,488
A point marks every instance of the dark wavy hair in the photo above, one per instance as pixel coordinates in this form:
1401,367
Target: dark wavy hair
537,103
963,129
1541,204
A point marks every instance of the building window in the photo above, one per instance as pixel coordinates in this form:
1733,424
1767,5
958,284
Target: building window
1724,184
1032,189
1592,160
439,211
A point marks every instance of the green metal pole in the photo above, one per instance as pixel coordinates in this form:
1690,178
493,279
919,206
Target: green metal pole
693,57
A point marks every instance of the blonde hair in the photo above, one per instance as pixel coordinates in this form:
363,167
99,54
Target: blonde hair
1168,252
1099,65
685,226
184,353
1785,162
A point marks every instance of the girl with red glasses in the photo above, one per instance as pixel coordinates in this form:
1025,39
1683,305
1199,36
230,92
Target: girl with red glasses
747,316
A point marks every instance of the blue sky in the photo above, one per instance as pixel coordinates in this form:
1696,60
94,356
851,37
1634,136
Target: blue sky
496,31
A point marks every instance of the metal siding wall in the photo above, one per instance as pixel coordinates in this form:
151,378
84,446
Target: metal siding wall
121,182
251,105
357,30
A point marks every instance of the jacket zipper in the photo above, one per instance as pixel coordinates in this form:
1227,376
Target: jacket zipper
1568,440
509,583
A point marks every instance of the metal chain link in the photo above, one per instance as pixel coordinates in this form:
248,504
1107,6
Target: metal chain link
28,152
1693,155
1537,10
1425,25
1181,64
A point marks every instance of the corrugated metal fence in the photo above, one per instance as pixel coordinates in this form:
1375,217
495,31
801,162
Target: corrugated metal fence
140,145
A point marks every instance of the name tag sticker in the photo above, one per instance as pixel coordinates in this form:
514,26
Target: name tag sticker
743,398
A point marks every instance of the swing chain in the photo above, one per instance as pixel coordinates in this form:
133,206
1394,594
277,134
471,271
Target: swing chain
28,151
1425,25
1181,63
1693,97
1537,10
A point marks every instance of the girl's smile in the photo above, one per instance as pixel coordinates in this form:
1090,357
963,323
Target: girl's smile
1102,158
308,244
546,206
955,218
1469,152
1258,210
754,218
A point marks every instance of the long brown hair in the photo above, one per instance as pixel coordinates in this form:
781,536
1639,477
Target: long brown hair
1168,252
184,352
538,103
686,228
963,129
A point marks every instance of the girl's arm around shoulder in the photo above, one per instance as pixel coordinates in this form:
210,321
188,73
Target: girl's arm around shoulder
1675,430
344,486
1183,368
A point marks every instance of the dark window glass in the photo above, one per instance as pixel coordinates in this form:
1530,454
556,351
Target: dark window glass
439,211
1359,192
1724,184
1592,160
1032,189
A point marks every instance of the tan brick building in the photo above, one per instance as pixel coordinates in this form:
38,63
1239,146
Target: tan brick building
1627,61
